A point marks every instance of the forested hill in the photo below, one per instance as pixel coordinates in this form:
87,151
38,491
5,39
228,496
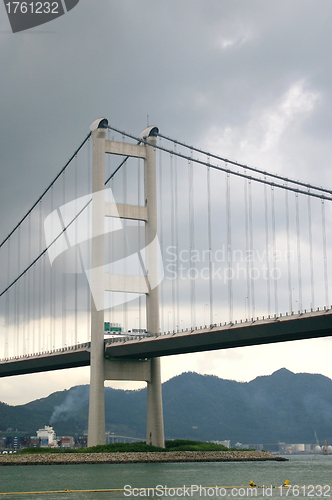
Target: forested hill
283,407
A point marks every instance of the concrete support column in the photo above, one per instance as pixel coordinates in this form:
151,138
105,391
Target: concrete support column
96,429
155,422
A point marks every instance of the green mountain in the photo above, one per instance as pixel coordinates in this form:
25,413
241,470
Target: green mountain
283,407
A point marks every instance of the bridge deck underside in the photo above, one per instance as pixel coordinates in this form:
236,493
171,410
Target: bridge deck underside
287,328
45,363
284,329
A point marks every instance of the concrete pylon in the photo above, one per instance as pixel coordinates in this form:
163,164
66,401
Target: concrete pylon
96,426
102,369
155,422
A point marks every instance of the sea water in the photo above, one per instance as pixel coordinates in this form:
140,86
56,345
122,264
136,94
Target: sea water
309,476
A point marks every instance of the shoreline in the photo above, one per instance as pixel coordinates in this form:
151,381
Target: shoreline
137,457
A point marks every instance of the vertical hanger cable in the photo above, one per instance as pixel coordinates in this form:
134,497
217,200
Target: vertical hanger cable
275,280
289,269
325,256
229,249
299,270
267,253
311,255
208,186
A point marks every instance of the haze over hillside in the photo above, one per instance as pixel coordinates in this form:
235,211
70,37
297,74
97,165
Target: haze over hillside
283,407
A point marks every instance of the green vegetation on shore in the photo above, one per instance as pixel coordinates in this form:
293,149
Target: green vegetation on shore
171,445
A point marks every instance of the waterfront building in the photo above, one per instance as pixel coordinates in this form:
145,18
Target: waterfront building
47,437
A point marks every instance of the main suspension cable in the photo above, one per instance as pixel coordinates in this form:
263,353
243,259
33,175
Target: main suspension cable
247,167
60,234
237,173
46,190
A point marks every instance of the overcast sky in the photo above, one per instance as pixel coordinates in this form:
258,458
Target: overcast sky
250,80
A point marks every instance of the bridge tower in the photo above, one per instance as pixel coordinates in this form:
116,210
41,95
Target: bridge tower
102,369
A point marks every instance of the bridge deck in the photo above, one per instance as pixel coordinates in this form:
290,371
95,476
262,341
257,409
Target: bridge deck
44,362
282,329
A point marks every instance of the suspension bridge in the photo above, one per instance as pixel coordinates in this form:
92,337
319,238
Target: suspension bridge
176,249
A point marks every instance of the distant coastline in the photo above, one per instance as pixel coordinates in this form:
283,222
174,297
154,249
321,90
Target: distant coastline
137,457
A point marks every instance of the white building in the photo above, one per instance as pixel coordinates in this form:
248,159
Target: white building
226,443
47,436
